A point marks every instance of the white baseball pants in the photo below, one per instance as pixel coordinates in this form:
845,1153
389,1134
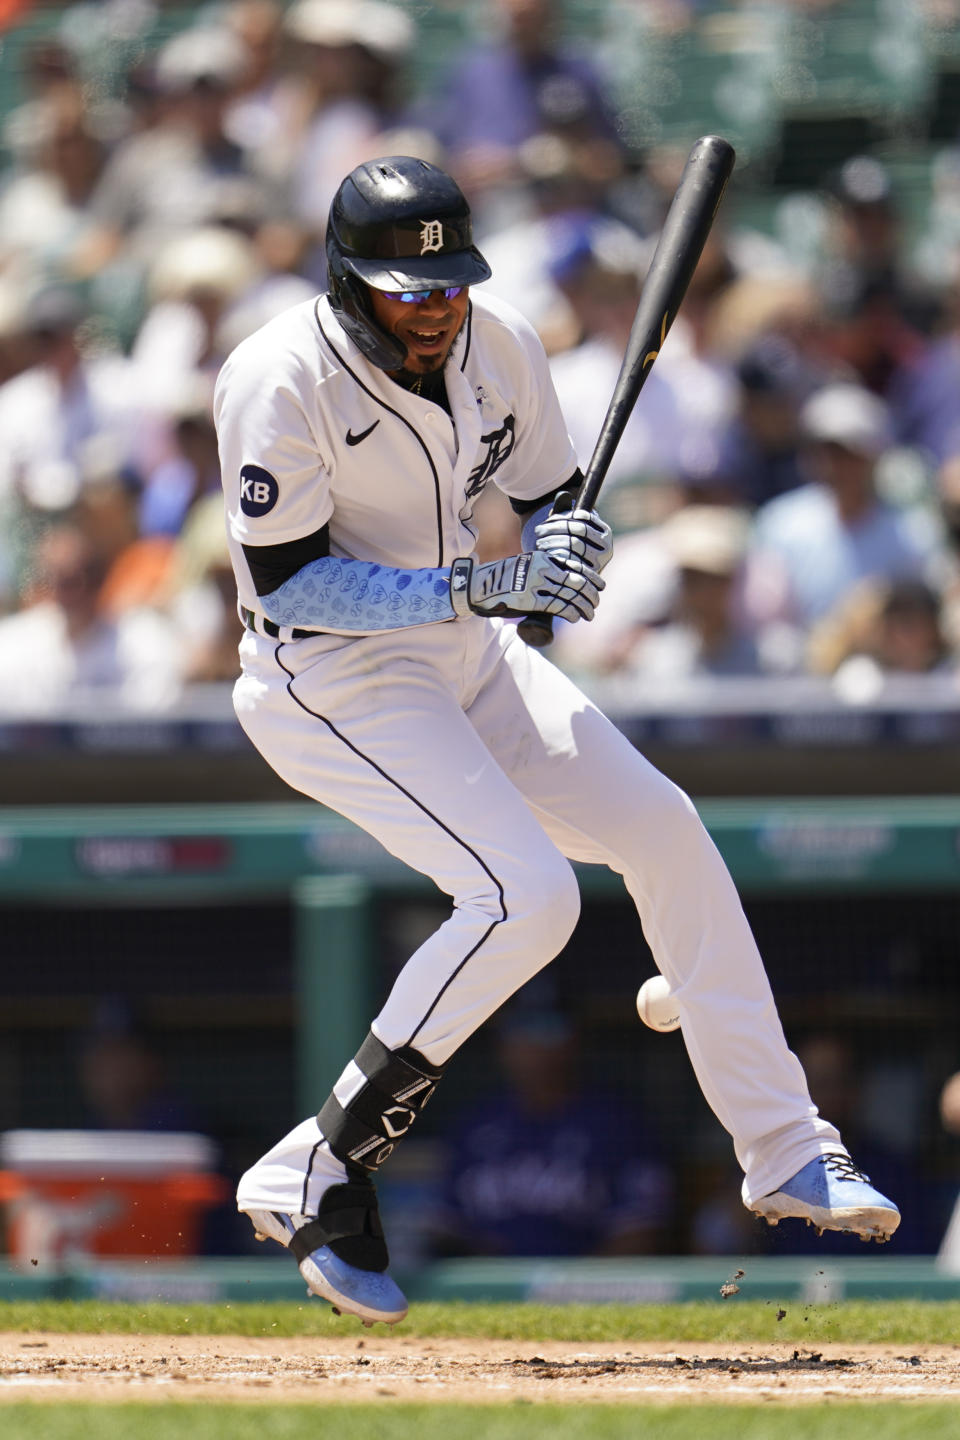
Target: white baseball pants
477,762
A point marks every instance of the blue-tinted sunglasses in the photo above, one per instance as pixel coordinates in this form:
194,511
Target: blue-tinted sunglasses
417,297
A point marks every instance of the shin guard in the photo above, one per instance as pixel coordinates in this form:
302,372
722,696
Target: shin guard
398,1083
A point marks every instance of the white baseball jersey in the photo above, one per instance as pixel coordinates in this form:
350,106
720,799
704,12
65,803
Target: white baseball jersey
312,434
469,756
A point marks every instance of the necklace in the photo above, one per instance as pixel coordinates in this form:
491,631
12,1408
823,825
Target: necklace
415,387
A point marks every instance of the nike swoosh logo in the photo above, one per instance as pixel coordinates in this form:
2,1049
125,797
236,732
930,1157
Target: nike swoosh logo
355,439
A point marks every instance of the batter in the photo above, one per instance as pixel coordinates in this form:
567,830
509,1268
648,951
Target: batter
382,675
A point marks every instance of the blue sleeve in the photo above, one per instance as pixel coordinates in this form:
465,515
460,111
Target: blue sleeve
335,594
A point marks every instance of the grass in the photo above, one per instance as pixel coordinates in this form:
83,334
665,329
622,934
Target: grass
901,1322
390,1421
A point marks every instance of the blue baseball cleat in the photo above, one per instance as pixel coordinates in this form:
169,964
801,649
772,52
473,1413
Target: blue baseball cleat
349,1221
832,1194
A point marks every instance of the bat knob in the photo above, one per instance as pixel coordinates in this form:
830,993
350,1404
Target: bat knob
536,630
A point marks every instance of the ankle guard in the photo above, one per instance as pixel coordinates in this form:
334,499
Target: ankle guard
349,1222
399,1084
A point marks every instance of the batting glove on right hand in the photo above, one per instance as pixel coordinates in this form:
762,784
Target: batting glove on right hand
533,583
583,534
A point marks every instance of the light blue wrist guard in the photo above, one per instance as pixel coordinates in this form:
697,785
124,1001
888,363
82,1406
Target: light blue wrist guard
335,594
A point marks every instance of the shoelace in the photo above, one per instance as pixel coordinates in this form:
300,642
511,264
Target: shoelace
843,1166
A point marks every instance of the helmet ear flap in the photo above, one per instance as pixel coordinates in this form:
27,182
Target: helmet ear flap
352,308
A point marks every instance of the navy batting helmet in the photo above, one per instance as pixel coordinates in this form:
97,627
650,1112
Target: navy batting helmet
397,224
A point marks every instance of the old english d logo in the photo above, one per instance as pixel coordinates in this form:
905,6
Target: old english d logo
499,445
431,236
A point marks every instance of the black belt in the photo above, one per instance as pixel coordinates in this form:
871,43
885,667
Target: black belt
271,629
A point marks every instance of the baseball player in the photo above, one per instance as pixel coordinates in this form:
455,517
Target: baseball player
383,675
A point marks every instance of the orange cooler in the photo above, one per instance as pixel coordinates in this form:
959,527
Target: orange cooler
73,1194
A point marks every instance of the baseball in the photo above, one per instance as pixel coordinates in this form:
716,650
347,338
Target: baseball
656,1005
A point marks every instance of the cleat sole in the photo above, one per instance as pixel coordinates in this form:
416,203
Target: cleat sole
874,1224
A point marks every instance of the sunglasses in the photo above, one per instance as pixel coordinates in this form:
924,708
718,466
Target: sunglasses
417,297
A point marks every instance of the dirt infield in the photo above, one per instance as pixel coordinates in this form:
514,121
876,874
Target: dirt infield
154,1367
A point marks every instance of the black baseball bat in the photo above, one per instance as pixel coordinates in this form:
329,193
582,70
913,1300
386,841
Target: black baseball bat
675,258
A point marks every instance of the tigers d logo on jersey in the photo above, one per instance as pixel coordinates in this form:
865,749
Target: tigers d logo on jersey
259,491
499,445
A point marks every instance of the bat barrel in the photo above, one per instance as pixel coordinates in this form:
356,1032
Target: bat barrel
677,254
678,250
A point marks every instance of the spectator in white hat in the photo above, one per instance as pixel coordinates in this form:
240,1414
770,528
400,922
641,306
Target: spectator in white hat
705,630
674,605
814,543
191,285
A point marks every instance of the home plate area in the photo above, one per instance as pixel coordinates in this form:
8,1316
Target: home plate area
104,1367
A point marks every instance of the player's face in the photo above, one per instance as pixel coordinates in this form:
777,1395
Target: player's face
428,327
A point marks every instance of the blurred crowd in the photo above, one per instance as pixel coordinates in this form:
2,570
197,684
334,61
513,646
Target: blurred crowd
786,494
